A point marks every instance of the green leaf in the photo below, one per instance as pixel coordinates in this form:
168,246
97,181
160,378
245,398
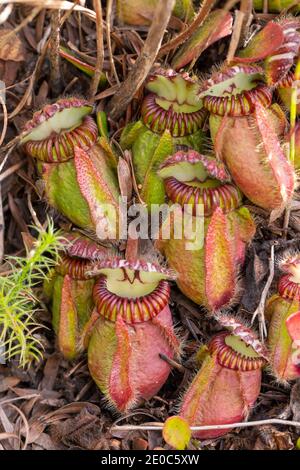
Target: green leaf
83,66
102,124
149,151
195,141
130,134
163,150
177,432
184,9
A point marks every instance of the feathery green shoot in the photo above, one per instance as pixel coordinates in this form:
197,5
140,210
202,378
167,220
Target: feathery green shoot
18,303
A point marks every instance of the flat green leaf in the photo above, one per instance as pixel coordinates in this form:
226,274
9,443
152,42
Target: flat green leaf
130,134
79,64
149,151
102,124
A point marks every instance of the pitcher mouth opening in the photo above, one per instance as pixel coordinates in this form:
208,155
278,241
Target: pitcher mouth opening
194,179
225,196
235,354
76,268
134,309
172,104
54,131
287,81
159,118
289,283
235,91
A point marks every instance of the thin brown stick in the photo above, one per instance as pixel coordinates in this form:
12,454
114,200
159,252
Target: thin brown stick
142,66
11,170
128,158
172,363
32,211
100,49
8,435
68,13
54,5
53,53
198,21
236,34
8,148
260,311
247,424
246,8
23,397
23,23
3,133
186,34
265,6
108,31
5,119
29,89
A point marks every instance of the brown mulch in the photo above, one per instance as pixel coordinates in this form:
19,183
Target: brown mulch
55,404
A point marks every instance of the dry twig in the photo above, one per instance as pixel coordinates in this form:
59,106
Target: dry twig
246,8
5,119
247,424
4,129
186,34
172,363
53,52
108,29
260,311
198,21
100,49
141,68
20,26
236,34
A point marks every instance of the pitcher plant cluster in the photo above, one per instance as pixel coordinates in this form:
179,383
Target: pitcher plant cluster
200,147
